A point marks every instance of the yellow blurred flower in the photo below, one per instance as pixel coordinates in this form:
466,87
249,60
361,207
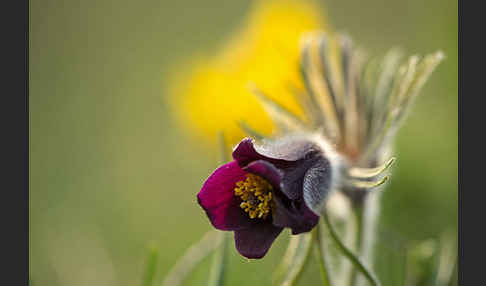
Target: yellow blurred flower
212,95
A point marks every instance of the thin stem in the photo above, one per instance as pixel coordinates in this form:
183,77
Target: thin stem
216,274
318,250
193,256
352,257
447,258
300,261
295,241
370,213
358,213
151,269
349,238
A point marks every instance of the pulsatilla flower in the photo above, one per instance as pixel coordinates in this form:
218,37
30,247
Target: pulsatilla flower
281,183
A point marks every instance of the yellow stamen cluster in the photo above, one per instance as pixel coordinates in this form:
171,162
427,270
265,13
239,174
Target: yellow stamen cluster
256,194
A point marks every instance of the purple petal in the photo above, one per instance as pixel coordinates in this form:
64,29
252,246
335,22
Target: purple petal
255,241
291,155
267,171
218,200
317,183
293,214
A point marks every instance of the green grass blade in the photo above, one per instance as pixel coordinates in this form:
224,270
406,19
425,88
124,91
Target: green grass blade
151,269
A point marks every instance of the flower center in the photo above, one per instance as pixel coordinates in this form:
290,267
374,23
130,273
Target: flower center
256,194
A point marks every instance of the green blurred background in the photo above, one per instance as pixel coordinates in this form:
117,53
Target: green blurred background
110,172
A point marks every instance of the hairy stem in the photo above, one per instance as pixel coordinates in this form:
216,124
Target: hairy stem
358,216
368,223
321,258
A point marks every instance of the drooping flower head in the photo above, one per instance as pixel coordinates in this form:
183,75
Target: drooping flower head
268,187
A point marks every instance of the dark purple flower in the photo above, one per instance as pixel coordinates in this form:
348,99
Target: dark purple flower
266,188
